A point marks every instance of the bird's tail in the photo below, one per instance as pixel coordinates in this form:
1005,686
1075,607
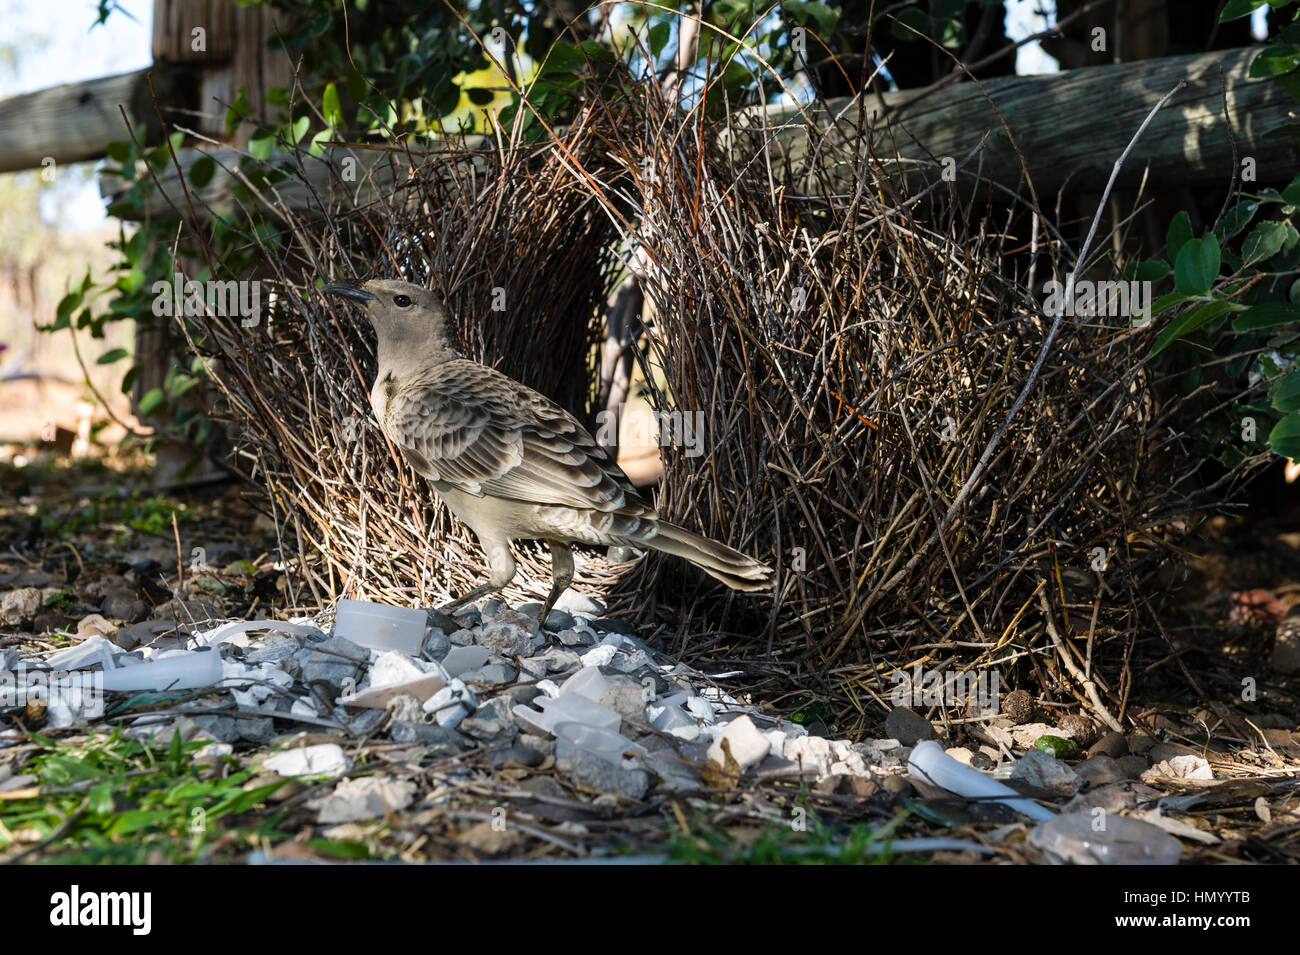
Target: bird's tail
717,560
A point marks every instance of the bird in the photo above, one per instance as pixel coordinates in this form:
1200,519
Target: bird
507,461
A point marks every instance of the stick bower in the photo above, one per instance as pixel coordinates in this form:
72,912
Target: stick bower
847,359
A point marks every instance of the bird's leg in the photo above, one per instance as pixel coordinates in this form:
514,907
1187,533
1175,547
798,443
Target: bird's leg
479,591
502,563
561,577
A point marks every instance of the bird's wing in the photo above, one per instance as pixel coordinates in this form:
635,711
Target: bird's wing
468,425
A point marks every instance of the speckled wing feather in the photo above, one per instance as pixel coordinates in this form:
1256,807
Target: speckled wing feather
468,425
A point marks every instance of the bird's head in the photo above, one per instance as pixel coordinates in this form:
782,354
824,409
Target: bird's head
406,317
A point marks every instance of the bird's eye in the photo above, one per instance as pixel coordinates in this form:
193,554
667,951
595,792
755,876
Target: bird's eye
402,301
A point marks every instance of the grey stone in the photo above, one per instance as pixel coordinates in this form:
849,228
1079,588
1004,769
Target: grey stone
534,667
1132,765
365,722
576,638
1099,770
497,708
125,606
1044,771
461,638
561,661
439,737
274,652
437,645
506,639
543,744
612,625
1111,744
592,772
257,729
519,755
1163,751
328,661
575,603
493,607
221,728
522,695
908,727
18,608
558,620
480,729
494,674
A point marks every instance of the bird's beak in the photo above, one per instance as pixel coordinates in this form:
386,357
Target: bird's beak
350,290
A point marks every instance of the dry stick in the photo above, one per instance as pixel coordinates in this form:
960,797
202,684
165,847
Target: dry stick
1066,306
1085,681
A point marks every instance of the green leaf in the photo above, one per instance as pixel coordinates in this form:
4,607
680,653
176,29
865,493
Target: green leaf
299,130
1236,219
1180,231
819,13
1263,243
1197,265
1236,9
1152,270
1286,393
660,34
153,400
1166,302
262,143
237,110
1274,61
330,105
1267,315
202,171
1189,321
118,152
115,354
67,305
1284,439
910,24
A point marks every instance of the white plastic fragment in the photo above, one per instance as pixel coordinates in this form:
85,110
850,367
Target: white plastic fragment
747,745
588,682
599,656
324,759
451,704
607,745
463,659
701,709
1120,840
931,764
88,652
569,708
229,631
381,626
178,670
395,674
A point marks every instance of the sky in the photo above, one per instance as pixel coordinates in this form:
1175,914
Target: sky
55,43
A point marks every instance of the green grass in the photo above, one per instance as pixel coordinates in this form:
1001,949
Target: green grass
115,800
816,844
147,515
